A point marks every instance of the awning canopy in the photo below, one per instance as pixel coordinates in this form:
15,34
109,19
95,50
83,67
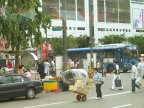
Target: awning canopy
34,56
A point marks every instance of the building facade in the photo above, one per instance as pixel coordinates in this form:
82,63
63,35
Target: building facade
107,17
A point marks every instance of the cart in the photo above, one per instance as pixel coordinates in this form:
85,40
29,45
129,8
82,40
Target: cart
81,89
78,82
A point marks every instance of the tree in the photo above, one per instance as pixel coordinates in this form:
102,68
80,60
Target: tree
57,45
21,23
73,42
139,41
82,41
113,39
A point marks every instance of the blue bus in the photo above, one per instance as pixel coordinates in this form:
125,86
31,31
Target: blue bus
107,54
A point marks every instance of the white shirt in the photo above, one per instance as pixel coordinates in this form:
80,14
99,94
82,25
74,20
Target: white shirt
134,71
141,68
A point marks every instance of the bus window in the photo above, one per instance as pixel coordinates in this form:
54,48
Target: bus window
104,54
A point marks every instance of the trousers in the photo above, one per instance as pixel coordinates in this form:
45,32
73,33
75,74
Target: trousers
98,90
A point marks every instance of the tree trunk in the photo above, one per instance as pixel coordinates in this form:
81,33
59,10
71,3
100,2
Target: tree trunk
16,62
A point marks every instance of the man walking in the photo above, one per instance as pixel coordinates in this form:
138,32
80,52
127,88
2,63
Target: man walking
140,68
134,73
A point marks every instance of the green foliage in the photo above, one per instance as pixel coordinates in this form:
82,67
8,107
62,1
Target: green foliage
57,45
76,42
139,41
72,42
82,41
21,24
113,39
136,40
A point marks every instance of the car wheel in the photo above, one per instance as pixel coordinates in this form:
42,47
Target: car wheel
30,93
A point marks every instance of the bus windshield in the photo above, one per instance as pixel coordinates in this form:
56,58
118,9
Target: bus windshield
131,53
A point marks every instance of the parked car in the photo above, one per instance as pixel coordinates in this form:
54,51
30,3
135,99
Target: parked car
15,85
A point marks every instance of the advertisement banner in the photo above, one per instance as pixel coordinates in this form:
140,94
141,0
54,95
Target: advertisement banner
138,18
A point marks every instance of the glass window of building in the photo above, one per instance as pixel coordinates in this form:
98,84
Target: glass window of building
138,1
124,11
81,9
111,10
51,7
81,28
100,10
70,9
74,28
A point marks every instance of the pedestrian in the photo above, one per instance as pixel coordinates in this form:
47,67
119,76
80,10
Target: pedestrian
9,64
116,76
53,71
21,69
40,69
98,82
103,70
72,64
46,67
140,67
134,73
99,66
90,72
27,73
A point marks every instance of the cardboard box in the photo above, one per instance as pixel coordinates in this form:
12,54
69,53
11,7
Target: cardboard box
79,87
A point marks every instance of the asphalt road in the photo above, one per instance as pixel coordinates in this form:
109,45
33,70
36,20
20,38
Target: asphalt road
111,99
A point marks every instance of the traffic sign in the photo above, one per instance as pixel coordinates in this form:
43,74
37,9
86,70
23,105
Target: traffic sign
57,28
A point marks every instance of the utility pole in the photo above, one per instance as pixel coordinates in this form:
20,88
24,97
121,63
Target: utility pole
91,32
64,36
